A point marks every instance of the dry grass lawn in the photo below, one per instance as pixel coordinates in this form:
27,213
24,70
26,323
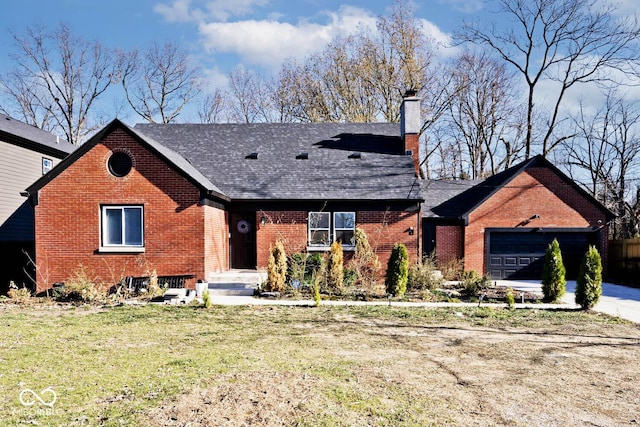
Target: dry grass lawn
333,366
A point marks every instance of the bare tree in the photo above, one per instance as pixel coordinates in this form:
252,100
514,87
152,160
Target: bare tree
361,77
56,80
401,57
605,156
564,42
212,108
23,102
159,83
483,115
250,96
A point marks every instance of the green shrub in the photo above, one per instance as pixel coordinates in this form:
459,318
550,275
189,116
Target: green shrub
206,299
589,282
277,268
297,267
553,273
335,268
474,283
423,275
316,283
350,277
314,263
397,271
511,300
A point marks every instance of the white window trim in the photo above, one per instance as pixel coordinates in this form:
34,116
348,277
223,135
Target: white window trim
331,231
327,229
103,230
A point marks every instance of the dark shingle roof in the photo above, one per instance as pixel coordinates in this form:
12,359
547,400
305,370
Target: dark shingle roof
279,171
32,137
437,194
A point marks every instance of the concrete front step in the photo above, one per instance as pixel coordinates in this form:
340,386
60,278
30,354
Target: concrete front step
232,289
235,282
238,276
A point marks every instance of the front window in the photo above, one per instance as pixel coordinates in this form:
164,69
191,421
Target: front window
326,227
319,229
344,227
122,226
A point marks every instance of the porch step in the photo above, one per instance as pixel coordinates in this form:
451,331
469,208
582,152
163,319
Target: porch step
235,282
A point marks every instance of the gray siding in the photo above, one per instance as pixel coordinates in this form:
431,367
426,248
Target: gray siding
19,168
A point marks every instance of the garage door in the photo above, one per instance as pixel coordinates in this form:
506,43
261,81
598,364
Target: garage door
520,254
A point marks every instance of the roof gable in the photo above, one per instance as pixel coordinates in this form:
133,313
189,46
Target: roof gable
174,159
462,204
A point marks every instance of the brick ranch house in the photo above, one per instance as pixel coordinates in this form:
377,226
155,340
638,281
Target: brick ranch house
195,199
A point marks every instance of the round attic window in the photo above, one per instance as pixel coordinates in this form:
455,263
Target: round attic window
119,164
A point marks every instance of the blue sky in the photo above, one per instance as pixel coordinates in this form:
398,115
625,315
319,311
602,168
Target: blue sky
220,34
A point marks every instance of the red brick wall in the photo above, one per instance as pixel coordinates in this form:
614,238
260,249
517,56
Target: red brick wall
449,242
388,228
535,191
412,142
216,242
68,218
383,228
289,227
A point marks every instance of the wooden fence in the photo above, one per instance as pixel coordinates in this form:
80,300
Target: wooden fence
624,260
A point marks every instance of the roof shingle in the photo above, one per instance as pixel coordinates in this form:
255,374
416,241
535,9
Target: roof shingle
221,152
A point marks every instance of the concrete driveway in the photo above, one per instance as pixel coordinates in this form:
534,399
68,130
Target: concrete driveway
616,300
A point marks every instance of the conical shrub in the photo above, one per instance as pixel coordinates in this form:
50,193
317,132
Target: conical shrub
397,271
589,283
553,273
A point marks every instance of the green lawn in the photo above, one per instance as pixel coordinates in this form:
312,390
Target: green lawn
161,365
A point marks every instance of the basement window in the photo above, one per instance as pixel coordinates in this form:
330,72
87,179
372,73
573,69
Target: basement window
122,229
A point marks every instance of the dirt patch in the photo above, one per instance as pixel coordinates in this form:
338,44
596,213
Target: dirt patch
243,399
397,372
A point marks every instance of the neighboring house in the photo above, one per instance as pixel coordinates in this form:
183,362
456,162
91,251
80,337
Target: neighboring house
193,199
26,153
501,226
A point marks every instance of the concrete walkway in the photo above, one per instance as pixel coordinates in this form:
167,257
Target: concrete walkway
616,300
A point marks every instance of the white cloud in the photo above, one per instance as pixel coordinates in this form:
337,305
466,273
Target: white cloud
466,6
440,38
217,10
269,42
178,11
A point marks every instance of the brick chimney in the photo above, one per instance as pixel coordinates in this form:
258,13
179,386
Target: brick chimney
410,124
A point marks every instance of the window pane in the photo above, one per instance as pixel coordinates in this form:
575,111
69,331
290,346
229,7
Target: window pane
113,232
344,220
133,226
346,237
319,220
320,237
